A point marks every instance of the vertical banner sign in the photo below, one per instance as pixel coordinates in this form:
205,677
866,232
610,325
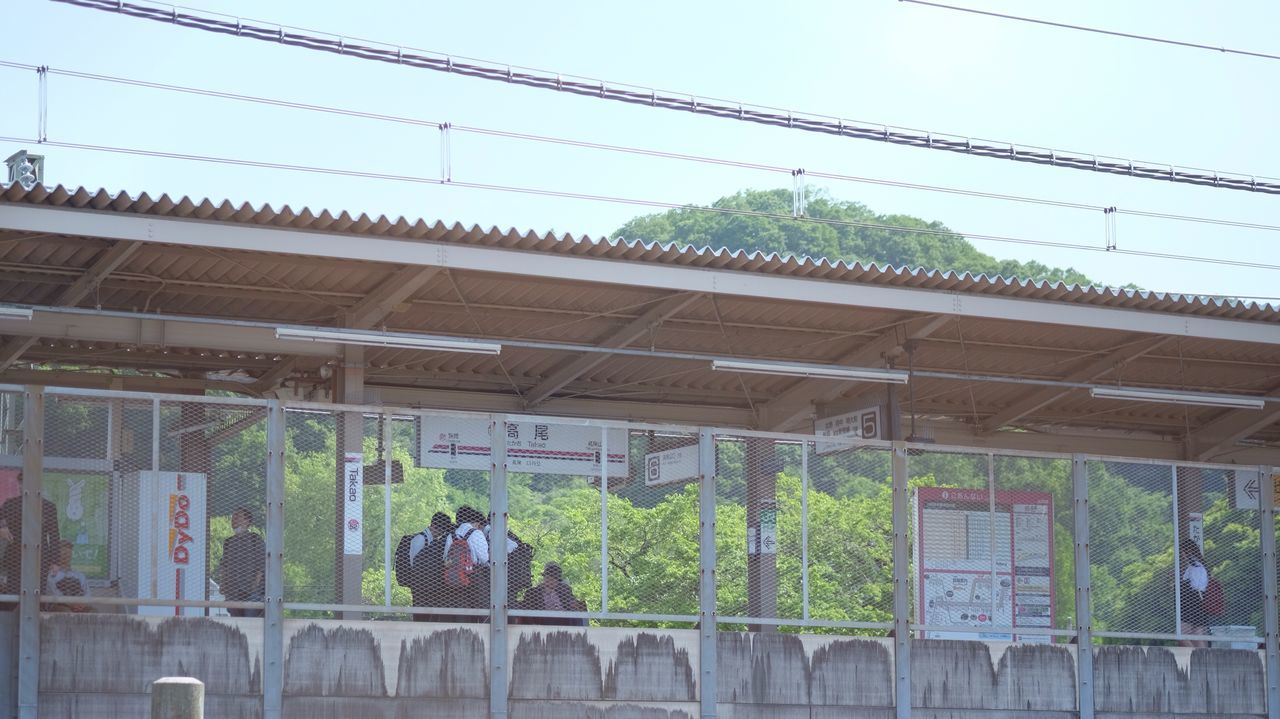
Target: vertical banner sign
353,503
769,527
1195,529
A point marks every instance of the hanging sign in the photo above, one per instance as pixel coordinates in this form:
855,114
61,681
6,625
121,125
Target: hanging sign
859,424
540,447
672,466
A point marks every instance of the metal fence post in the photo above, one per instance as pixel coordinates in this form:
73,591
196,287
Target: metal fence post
901,585
1270,620
1084,609
708,687
273,629
32,531
498,575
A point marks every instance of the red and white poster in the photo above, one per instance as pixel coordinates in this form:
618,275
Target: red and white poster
984,565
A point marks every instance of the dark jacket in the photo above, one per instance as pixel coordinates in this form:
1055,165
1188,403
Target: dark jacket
11,514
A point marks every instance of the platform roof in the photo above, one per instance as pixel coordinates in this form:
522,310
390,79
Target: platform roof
189,290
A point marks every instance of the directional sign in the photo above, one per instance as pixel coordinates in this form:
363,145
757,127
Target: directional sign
860,424
769,528
1248,489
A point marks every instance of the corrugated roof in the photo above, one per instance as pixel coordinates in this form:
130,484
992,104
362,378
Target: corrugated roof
622,249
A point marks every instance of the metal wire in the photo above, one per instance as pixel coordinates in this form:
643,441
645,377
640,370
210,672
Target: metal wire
745,112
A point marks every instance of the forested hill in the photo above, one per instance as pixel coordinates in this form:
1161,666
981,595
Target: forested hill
699,228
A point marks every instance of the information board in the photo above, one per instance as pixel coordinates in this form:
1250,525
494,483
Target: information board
982,569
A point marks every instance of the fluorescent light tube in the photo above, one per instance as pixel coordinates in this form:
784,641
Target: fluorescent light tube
791,369
15,313
1196,398
377,339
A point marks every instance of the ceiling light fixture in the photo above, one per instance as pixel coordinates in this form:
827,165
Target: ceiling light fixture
15,313
1166,397
792,369
378,339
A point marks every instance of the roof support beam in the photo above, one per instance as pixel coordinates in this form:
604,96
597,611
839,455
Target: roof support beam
1089,371
796,402
572,369
382,302
1220,435
129,383
105,264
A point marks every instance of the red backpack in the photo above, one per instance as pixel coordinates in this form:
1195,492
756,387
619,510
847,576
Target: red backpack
457,562
1215,599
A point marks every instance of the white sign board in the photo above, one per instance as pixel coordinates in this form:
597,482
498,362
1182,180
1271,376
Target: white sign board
769,529
672,466
859,424
1248,489
353,504
161,531
544,448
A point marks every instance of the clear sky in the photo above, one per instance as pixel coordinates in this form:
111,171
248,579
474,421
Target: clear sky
870,60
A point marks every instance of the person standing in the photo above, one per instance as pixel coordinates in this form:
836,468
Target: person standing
66,582
553,594
244,561
1192,585
11,534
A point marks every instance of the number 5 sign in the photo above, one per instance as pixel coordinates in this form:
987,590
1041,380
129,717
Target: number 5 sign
858,424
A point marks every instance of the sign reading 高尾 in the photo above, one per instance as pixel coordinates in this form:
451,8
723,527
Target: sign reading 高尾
541,447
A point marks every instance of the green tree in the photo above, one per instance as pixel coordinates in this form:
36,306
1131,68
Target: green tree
938,249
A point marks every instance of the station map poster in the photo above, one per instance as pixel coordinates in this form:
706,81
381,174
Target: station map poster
969,576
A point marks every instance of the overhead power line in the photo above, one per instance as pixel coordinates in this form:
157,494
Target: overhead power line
648,152
621,92
1100,31
651,203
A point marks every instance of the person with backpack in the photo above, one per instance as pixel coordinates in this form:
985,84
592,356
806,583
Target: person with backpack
466,563
519,564
419,564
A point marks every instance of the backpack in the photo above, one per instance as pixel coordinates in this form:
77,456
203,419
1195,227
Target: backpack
458,564
519,567
1215,599
407,574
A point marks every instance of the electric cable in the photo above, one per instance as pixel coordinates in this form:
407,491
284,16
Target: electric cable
508,134
621,92
1100,31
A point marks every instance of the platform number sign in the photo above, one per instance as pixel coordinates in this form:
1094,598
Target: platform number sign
860,424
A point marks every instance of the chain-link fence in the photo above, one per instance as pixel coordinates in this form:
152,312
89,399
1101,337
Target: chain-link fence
158,504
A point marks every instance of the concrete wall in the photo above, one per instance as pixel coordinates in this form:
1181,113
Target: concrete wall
100,665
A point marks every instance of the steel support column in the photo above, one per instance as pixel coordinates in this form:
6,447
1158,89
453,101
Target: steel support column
1270,620
498,670
32,531
708,684
1084,607
273,629
901,585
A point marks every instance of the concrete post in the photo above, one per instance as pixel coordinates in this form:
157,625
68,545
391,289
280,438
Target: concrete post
901,585
1270,621
32,534
1084,607
273,628
708,684
498,670
177,698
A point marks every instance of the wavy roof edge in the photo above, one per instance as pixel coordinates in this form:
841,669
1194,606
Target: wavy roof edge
638,250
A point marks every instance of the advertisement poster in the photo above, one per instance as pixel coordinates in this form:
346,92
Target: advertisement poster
983,569
83,516
543,448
